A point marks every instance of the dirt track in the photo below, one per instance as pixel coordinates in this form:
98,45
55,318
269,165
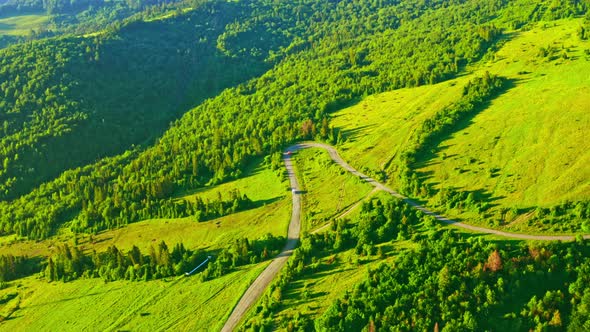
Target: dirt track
264,279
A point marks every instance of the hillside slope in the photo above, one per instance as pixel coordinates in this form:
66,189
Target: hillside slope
319,71
322,55
71,101
526,149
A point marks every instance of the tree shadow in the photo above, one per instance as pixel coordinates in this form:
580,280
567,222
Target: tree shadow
263,202
351,135
4,26
481,195
433,148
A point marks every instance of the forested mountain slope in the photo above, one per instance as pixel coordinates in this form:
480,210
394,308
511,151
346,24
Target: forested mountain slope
327,53
67,102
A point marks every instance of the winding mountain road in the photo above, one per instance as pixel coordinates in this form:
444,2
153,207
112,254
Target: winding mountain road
255,291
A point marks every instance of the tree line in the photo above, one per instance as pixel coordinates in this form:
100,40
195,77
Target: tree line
15,267
69,263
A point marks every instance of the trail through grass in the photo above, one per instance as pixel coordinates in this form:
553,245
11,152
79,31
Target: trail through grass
328,189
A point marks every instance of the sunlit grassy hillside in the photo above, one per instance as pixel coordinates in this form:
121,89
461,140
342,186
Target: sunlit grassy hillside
527,148
182,304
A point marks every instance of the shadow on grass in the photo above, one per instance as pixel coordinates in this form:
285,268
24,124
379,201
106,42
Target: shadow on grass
351,135
433,148
430,153
4,26
264,202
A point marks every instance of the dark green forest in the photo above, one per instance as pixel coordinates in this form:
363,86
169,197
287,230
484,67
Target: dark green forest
470,285
298,61
95,8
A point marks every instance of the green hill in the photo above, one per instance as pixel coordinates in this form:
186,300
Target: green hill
68,102
523,150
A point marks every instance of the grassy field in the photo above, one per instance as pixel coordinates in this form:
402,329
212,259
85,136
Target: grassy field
526,149
261,184
329,190
183,304
21,25
532,138
176,304
377,128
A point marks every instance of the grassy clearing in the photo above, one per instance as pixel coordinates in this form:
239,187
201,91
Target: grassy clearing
260,184
255,223
527,149
183,304
329,190
21,25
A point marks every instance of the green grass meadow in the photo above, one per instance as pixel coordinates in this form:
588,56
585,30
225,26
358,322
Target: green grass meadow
263,186
21,25
181,304
328,189
526,149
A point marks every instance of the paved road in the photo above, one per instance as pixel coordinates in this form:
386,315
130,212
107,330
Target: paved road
254,292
